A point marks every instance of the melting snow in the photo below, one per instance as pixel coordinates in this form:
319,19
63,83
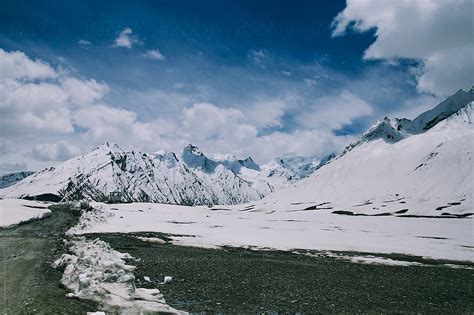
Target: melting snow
94,271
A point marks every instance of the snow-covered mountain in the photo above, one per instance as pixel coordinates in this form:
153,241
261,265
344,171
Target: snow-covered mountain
190,179
394,130
422,167
139,177
13,178
431,117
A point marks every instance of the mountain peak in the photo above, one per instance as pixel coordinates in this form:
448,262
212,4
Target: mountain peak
382,129
394,130
108,146
194,158
193,149
443,110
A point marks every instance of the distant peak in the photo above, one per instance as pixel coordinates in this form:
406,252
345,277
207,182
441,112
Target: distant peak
382,129
194,158
109,146
248,159
193,149
249,163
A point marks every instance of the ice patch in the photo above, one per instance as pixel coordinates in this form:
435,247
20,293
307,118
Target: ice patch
94,271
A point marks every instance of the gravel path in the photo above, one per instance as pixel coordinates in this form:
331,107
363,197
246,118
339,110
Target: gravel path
28,284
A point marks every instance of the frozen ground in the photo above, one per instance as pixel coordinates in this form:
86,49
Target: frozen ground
16,211
285,230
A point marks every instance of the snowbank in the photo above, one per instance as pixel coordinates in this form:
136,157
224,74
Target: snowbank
287,230
16,211
96,272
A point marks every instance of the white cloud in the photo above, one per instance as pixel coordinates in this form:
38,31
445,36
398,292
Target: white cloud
44,111
84,42
84,92
438,33
34,97
104,123
59,151
300,142
334,112
415,106
226,130
16,65
27,108
155,54
268,113
125,39
206,121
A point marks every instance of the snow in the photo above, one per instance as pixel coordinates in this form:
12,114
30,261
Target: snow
286,230
16,211
96,272
420,173
412,196
443,110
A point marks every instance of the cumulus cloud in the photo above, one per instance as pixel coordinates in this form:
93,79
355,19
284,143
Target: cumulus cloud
84,92
59,151
155,54
125,39
35,97
104,123
27,107
334,112
206,121
268,113
227,130
437,33
55,115
16,65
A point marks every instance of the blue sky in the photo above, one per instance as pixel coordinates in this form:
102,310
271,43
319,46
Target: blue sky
259,78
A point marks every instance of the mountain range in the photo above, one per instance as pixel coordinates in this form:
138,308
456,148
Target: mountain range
190,178
427,158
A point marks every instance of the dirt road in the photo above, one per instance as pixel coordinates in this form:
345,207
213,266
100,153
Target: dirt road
28,285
